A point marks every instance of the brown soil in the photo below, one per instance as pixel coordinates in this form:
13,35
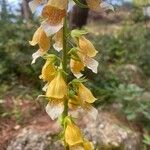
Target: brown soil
9,127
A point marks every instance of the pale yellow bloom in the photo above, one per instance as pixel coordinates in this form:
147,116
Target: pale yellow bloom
55,11
57,88
93,4
76,67
86,47
88,145
60,4
73,102
53,15
73,134
48,71
85,95
41,39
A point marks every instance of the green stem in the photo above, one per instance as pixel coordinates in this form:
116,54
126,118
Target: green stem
64,57
64,66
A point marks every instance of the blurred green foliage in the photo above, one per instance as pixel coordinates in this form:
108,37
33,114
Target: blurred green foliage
15,52
130,45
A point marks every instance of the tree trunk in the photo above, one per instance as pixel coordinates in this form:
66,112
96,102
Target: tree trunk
78,16
26,13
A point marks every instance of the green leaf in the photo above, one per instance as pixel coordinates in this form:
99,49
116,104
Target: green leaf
146,139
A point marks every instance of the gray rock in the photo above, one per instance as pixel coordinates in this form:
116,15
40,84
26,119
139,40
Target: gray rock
107,133
31,139
110,133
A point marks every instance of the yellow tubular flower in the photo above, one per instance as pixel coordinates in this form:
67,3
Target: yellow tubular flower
53,15
48,71
77,147
73,134
76,67
86,47
60,4
57,88
93,4
41,39
74,102
55,11
85,95
88,145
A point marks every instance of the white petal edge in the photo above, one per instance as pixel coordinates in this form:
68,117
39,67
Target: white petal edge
70,5
34,4
57,47
77,74
45,87
92,64
38,10
51,29
106,6
36,55
54,110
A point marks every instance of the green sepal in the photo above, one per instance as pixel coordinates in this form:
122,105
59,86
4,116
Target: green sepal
76,33
51,57
76,82
71,93
74,54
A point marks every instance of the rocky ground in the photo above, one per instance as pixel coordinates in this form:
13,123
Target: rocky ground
36,131
107,132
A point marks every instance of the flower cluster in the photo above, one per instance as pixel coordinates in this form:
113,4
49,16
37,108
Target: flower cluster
63,95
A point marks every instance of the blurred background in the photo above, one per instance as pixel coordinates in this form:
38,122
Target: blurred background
122,84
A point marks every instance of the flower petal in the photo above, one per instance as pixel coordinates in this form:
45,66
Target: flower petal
76,67
77,74
45,87
35,3
86,47
92,64
57,88
70,6
36,55
85,95
58,38
51,29
54,110
57,47
48,71
60,4
38,10
73,135
77,147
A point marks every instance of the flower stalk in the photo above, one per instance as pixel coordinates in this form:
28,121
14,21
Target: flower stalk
64,95
64,63
64,67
